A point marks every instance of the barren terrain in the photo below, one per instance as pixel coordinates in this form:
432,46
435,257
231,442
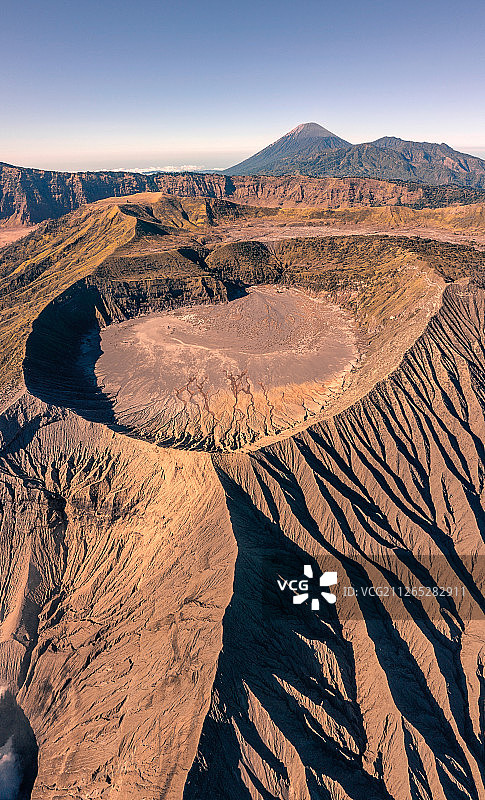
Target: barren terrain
268,232
147,650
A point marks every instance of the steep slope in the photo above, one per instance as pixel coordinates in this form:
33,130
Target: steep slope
396,159
68,250
440,160
306,141
112,590
115,604
63,253
377,696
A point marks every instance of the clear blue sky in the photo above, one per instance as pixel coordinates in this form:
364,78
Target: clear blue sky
111,84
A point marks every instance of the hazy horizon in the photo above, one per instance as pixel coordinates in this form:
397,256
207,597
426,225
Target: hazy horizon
183,165
200,165
209,86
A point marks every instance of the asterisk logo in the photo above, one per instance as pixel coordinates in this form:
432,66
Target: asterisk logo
327,579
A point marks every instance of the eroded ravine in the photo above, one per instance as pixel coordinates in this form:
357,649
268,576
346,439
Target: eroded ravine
383,697
124,566
113,652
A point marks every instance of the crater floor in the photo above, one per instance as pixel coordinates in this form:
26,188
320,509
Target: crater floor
225,375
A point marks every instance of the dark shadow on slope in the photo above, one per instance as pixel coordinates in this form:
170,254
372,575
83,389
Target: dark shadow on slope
65,342
268,652
267,643
18,751
405,679
61,353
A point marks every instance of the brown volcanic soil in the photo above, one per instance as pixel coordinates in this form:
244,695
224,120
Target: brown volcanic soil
149,651
133,641
222,376
267,232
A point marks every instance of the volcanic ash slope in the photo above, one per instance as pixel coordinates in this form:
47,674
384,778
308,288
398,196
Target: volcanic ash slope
143,634
375,698
116,570
119,575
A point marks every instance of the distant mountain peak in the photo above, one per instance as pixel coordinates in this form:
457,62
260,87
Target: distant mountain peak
310,149
310,130
308,139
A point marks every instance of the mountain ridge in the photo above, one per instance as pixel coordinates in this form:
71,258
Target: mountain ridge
388,157
29,196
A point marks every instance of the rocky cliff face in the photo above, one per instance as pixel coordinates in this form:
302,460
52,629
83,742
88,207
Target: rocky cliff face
29,196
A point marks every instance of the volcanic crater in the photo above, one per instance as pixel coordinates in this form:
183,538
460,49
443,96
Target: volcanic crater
133,636
223,376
